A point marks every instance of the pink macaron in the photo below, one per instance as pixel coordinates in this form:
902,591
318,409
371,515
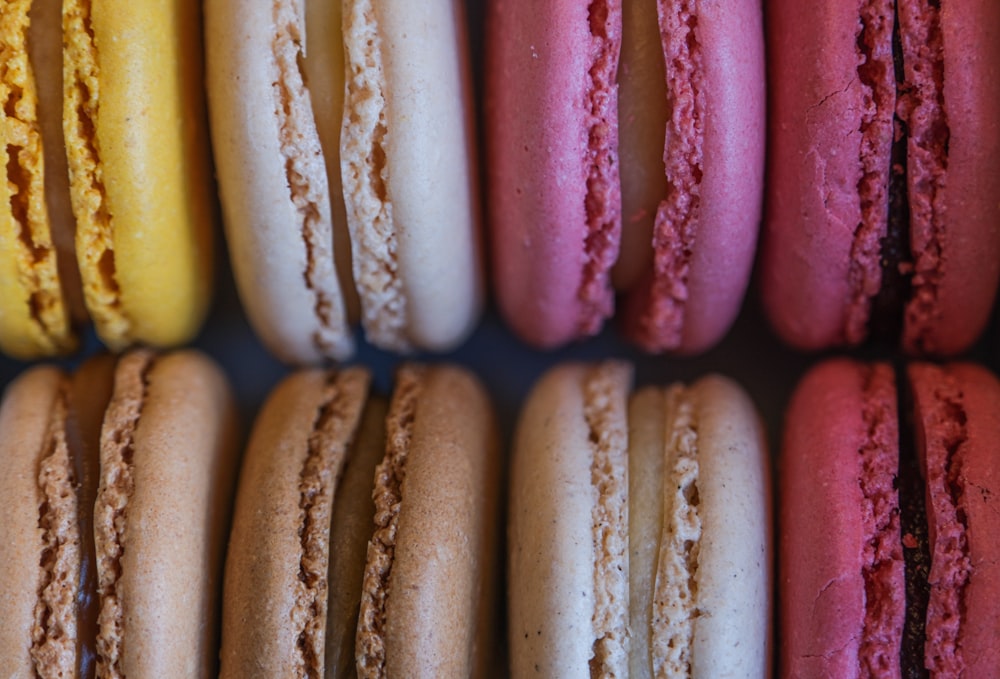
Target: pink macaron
883,203
625,154
889,560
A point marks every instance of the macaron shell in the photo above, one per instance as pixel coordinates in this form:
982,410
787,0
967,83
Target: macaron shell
552,601
439,589
133,94
732,628
176,416
730,52
409,172
968,240
266,545
813,171
34,317
960,399
25,416
821,524
280,234
551,283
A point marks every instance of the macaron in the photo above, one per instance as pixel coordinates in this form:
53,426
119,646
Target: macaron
106,208
365,533
883,203
889,561
625,146
116,492
343,141
639,529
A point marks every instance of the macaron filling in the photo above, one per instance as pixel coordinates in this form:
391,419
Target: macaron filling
387,495
896,260
306,178
659,326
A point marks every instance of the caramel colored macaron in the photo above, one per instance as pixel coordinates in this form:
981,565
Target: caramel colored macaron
364,534
106,206
116,491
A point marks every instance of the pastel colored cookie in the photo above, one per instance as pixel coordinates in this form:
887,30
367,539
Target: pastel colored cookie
364,537
106,206
888,558
883,173
625,152
343,140
639,535
116,493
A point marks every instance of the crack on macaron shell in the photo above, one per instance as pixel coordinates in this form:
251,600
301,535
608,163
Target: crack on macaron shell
603,195
28,229
882,553
942,439
337,417
95,229
366,181
876,73
111,510
675,603
609,482
305,172
659,326
55,643
388,497
922,107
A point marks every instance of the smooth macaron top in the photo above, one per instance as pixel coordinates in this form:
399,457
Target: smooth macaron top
351,178
882,175
639,529
118,134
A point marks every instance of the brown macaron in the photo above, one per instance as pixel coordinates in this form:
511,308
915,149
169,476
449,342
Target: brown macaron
116,491
341,563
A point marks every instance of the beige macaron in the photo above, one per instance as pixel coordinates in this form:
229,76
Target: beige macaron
364,537
116,496
343,140
639,535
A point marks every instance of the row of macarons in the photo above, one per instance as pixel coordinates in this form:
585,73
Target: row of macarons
366,530
624,157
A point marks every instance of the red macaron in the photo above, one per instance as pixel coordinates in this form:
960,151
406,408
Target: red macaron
889,560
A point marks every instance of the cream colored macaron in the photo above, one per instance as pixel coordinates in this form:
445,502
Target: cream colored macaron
343,140
639,536
364,537
106,206
116,491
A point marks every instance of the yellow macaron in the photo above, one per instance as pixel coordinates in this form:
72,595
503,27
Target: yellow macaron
106,154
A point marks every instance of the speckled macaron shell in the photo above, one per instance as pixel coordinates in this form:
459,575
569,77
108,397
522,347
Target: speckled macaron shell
295,475
168,467
608,494
817,277
376,143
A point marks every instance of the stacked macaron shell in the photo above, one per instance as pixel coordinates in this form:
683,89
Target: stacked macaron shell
889,564
883,173
639,537
116,488
625,147
106,205
364,536
343,140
